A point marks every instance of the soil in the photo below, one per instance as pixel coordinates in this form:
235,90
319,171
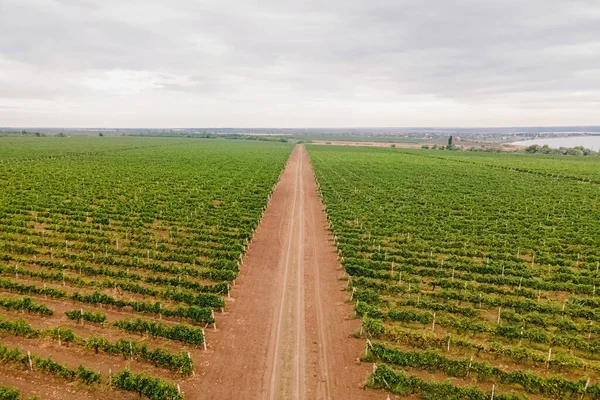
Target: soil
48,387
286,334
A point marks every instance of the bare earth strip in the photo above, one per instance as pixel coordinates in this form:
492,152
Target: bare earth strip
286,334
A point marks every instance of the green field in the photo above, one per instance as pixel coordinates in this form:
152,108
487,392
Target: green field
152,228
471,272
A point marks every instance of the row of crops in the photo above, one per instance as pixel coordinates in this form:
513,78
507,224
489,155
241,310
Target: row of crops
475,276
125,247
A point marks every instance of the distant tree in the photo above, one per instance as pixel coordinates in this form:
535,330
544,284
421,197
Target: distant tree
61,135
449,143
100,134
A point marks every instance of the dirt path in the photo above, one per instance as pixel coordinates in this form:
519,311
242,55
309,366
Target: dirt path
287,333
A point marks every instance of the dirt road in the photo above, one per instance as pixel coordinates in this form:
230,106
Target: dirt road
286,332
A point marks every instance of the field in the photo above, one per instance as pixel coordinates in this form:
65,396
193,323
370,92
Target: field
117,256
171,268
475,275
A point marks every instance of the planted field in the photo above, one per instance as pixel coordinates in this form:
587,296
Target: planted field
117,255
475,277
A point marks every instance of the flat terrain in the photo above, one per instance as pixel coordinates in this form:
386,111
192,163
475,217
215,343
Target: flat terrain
117,255
286,335
473,273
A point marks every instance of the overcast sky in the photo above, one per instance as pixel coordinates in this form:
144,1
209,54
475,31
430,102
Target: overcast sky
277,63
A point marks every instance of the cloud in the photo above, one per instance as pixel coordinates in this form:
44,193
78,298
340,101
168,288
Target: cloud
309,63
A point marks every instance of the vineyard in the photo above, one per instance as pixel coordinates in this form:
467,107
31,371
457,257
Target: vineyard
117,256
476,276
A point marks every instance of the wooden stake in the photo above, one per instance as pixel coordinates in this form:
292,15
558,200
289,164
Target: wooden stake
470,365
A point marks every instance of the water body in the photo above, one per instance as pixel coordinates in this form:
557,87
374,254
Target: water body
589,142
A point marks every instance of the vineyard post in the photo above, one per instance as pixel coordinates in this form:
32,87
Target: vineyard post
109,377
470,365
549,356
587,384
493,390
130,351
448,344
352,294
499,311
214,319
204,339
520,281
30,361
58,334
81,316
521,337
433,323
228,292
452,274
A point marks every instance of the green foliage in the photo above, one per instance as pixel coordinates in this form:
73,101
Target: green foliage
96,317
25,303
180,363
151,388
9,393
180,332
48,366
554,386
501,247
399,383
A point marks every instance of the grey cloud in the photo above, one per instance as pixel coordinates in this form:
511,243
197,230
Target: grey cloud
522,55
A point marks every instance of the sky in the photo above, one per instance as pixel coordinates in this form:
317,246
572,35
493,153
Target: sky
279,63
